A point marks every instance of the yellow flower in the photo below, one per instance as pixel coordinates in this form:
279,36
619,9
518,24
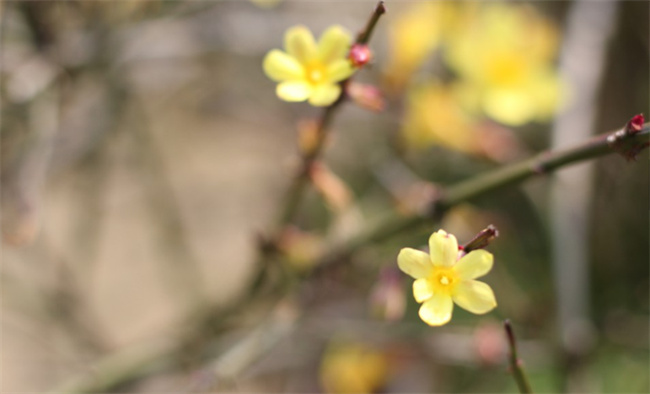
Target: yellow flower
433,116
413,36
349,367
504,54
309,70
441,279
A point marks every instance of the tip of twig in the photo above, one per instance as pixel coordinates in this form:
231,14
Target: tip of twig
381,8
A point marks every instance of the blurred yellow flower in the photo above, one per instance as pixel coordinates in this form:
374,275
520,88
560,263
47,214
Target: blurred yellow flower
412,37
441,279
309,70
266,3
504,54
434,117
353,368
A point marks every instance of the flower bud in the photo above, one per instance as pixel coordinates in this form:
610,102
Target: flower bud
628,147
482,239
359,55
366,96
335,192
300,248
387,301
635,124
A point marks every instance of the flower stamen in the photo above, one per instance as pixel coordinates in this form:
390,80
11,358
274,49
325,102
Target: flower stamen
315,74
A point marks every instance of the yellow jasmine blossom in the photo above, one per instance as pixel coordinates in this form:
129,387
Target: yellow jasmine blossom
413,37
441,279
434,117
504,54
349,367
307,70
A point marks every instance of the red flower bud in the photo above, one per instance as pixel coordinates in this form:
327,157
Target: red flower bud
360,54
635,124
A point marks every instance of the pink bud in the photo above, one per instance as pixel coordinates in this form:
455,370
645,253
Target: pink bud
366,96
360,54
387,300
635,124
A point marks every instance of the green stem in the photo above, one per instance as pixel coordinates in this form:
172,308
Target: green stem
541,164
516,366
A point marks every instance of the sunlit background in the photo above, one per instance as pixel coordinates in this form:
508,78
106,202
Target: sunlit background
143,150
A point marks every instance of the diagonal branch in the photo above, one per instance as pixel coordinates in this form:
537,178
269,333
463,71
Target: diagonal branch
620,141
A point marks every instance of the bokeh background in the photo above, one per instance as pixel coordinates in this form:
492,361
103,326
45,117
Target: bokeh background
143,151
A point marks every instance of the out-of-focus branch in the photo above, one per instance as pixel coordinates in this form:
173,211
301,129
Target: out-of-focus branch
183,268
544,163
516,366
366,33
240,356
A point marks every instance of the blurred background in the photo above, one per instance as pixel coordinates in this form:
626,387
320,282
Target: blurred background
143,150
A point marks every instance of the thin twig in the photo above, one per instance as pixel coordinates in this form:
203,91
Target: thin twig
516,365
300,180
479,185
365,34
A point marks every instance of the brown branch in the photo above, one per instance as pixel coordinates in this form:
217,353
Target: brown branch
621,141
516,365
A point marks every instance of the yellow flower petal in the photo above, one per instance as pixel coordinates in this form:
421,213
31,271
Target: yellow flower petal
299,43
510,107
281,67
422,289
414,263
293,90
323,95
339,70
334,44
443,248
474,296
437,310
474,264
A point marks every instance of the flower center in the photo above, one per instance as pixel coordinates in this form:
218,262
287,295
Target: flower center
315,74
444,280
506,69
